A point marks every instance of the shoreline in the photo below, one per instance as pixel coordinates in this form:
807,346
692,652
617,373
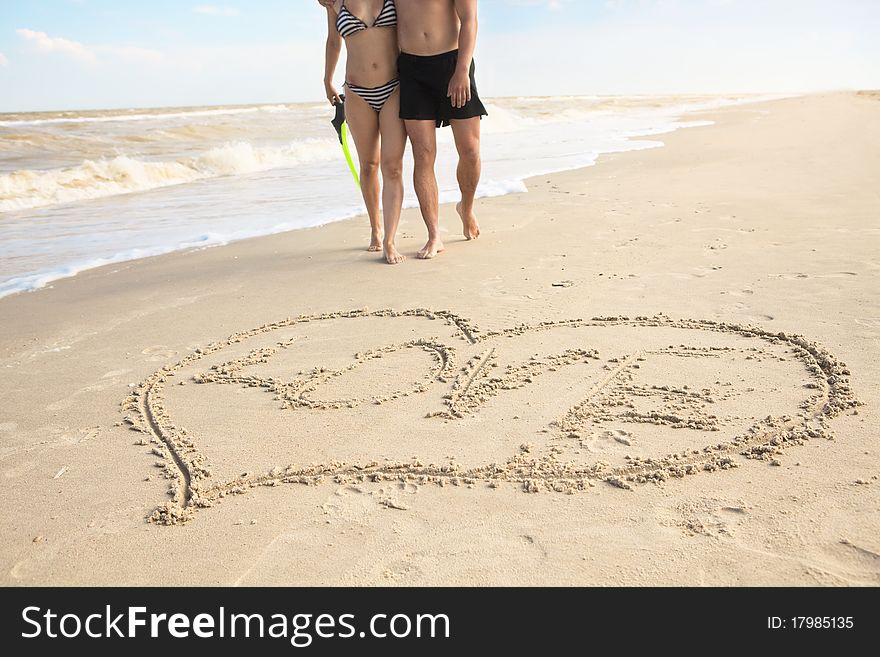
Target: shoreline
739,223
674,122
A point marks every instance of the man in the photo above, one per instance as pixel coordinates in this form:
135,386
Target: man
437,88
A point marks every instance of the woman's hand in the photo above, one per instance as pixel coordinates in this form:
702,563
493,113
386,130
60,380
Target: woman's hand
332,95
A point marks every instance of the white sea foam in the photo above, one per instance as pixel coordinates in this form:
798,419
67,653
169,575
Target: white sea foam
22,190
111,117
545,99
505,120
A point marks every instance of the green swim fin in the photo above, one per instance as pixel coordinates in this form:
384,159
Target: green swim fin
341,128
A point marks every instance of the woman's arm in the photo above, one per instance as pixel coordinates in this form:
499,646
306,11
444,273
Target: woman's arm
331,57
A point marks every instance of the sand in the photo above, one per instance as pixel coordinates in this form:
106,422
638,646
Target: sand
658,370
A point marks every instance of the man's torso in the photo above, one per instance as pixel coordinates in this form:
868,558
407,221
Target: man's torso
427,27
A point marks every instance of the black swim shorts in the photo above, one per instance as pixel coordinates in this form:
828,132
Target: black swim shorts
424,84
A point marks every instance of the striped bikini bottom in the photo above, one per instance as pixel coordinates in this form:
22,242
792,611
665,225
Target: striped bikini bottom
375,97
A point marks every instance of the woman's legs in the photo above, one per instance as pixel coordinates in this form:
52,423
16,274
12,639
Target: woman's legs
364,124
393,145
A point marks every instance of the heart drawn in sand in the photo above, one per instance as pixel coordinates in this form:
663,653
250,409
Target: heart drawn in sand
556,406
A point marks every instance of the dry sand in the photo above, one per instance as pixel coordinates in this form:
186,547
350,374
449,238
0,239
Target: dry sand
659,370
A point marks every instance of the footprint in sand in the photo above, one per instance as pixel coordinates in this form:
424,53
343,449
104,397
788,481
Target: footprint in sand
357,504
853,562
702,272
158,353
351,504
742,310
402,571
114,373
711,517
611,439
533,545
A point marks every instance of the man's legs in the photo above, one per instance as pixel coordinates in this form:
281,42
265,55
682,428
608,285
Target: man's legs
467,143
423,137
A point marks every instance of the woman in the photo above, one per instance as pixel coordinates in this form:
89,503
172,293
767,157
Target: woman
372,106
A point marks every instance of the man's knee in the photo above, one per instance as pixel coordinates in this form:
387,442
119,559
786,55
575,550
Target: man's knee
423,140
424,151
468,150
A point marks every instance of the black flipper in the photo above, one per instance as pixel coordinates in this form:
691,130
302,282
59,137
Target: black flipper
339,119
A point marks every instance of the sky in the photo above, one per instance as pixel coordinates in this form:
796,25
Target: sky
95,54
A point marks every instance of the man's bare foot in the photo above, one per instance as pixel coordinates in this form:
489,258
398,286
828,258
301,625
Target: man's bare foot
392,255
431,249
469,223
375,243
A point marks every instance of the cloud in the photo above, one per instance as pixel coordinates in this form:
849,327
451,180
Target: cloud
3,60
146,55
45,43
213,10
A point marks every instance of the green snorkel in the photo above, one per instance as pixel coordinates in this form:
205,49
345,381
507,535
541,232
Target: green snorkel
342,131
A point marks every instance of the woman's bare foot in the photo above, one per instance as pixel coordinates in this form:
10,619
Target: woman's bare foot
375,242
392,255
431,249
469,223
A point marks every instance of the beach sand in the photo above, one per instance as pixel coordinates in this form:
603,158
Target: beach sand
660,370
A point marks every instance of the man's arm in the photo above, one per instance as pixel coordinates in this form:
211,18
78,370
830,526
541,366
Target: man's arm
460,85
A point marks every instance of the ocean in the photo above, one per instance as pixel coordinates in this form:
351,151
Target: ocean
83,189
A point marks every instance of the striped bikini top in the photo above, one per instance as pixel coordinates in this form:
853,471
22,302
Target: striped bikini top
348,24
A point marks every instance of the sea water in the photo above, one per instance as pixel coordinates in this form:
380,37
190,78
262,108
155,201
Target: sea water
83,189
